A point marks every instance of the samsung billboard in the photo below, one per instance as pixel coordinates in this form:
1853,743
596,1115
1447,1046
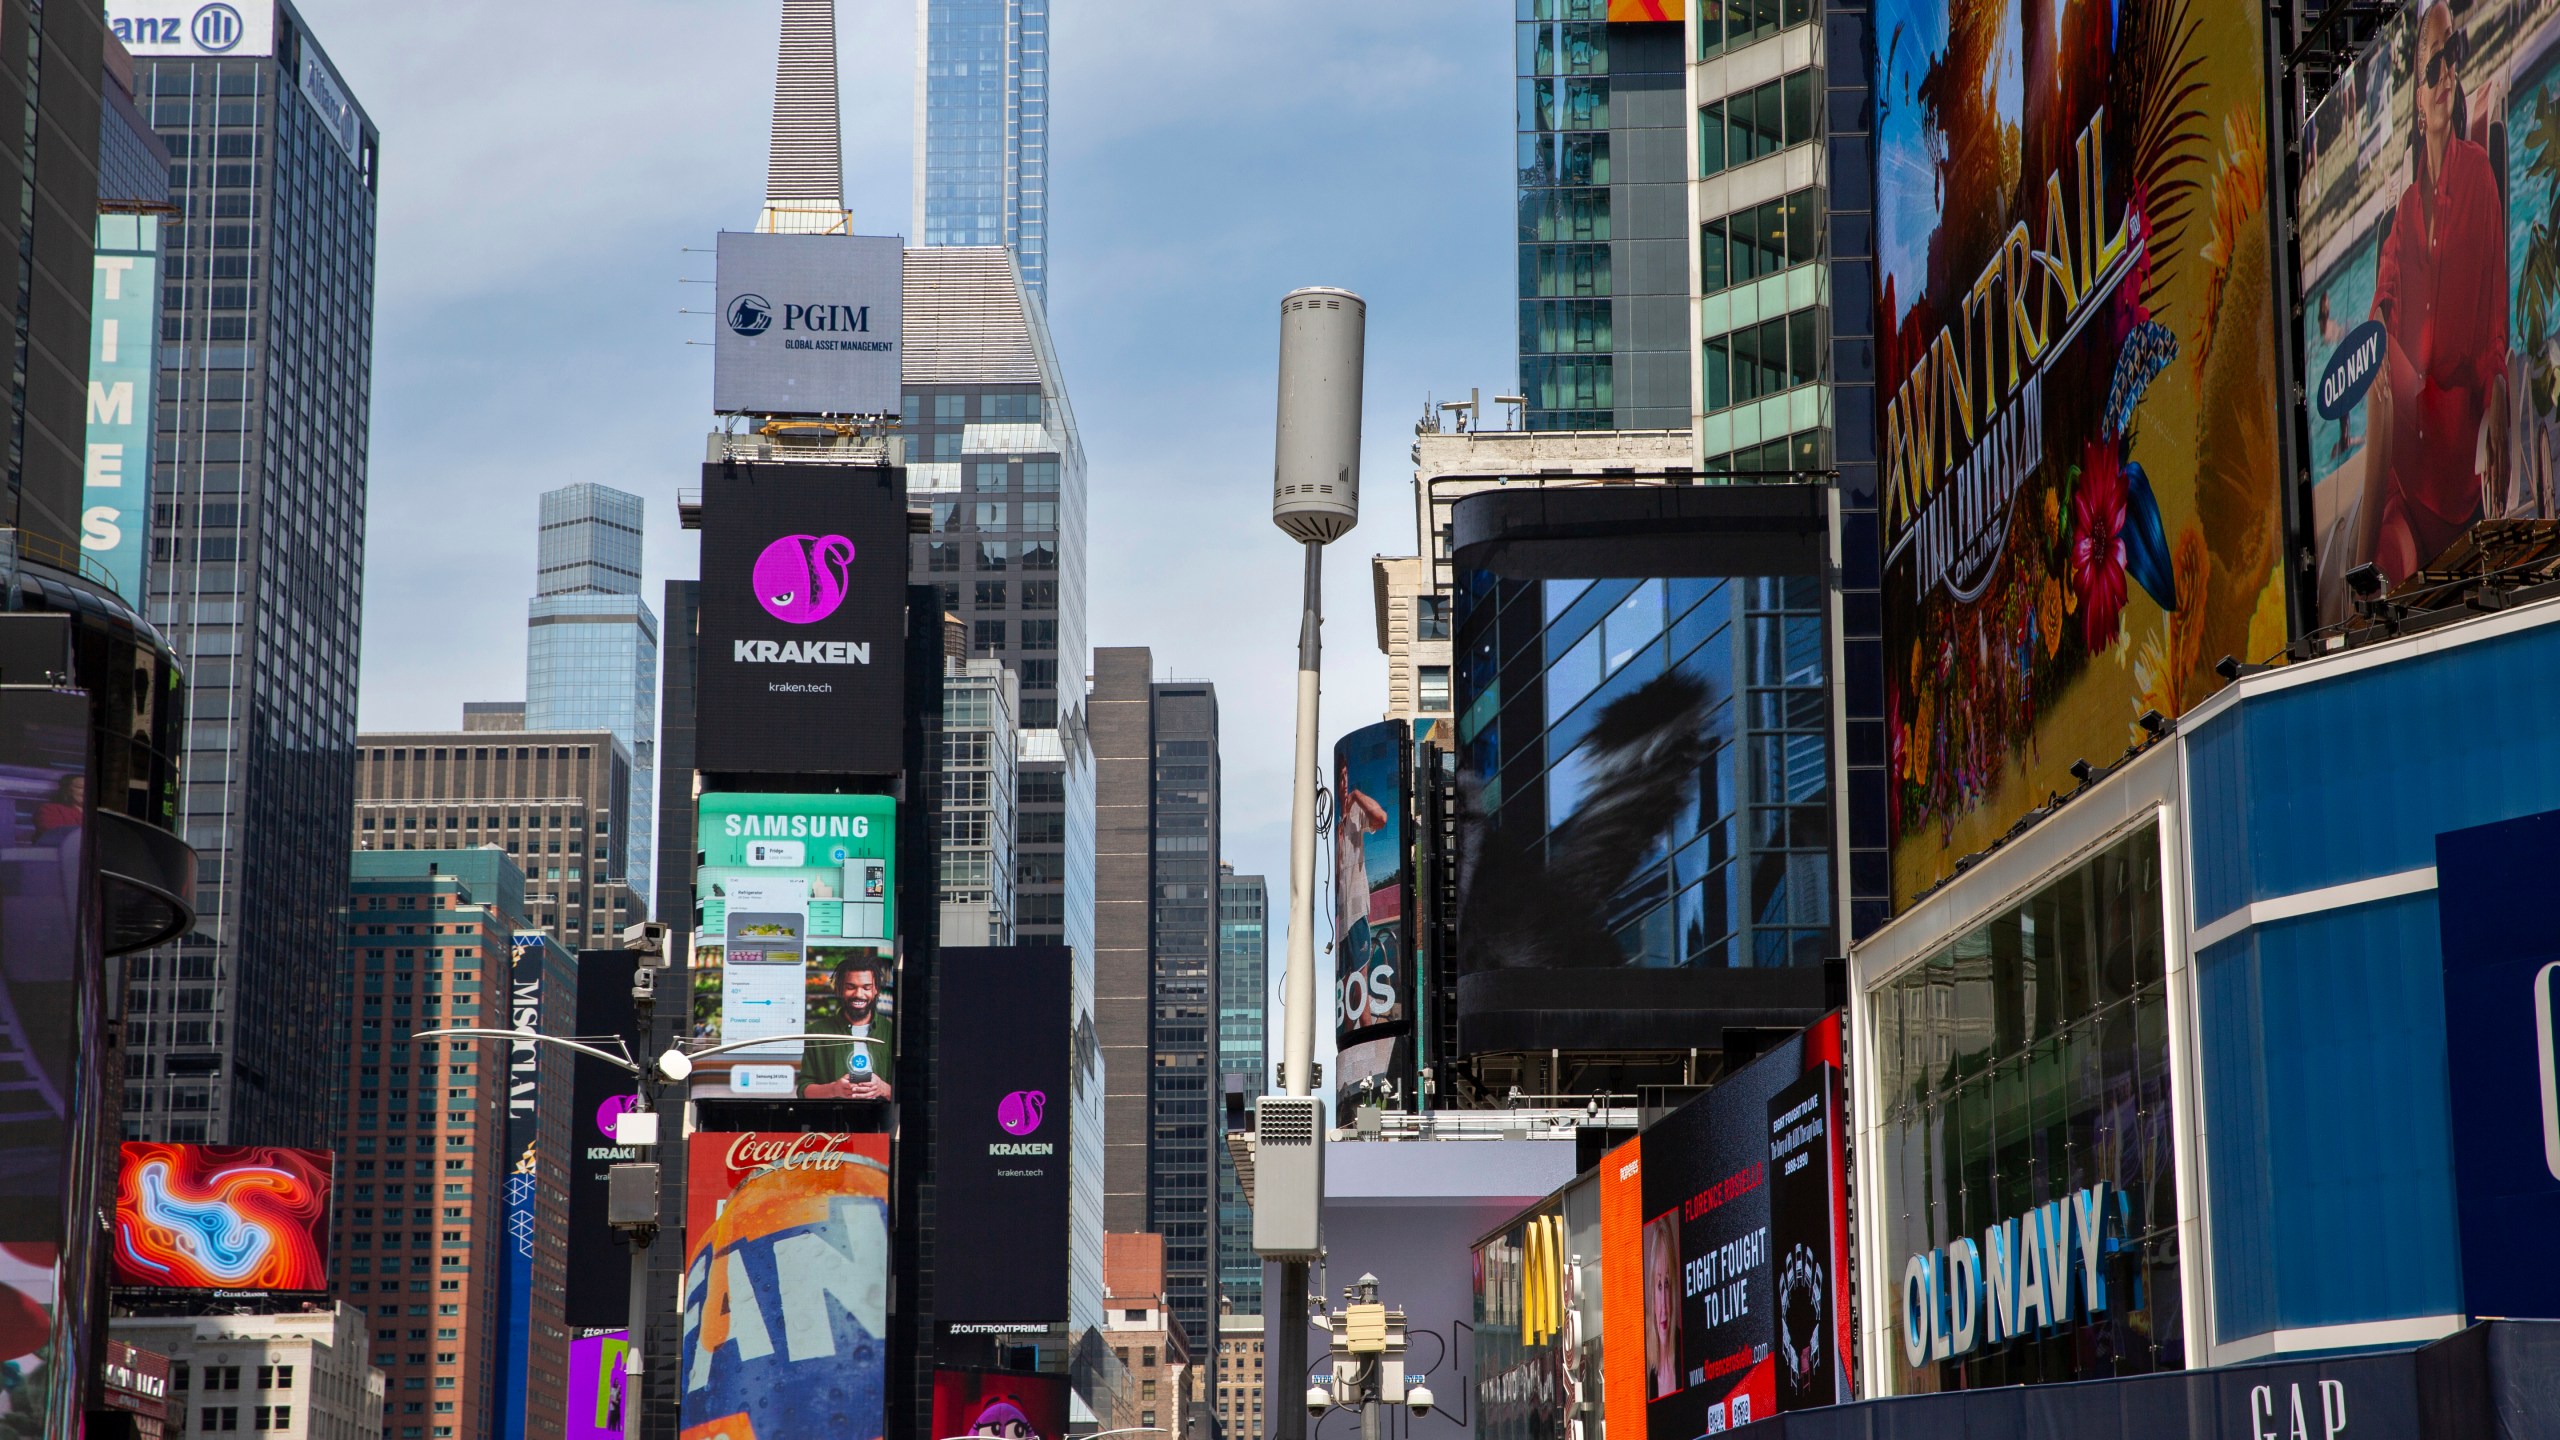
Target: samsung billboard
804,572
807,325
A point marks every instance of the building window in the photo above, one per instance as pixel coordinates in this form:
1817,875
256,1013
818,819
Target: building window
941,557
994,556
989,636
275,1377
1039,634
1760,121
216,1418
1766,359
274,1417
1743,22
990,595
1432,689
1739,248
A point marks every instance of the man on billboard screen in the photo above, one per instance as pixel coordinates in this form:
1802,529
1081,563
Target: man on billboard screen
857,1067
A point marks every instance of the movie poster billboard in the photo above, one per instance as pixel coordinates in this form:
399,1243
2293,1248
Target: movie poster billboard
1745,1245
2079,481
786,1284
1372,886
2431,288
1000,1404
222,1217
796,901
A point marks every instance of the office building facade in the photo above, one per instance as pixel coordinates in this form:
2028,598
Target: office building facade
994,456
1244,1071
973,823
299,1376
1604,335
591,653
421,1192
982,129
1156,922
556,801
257,562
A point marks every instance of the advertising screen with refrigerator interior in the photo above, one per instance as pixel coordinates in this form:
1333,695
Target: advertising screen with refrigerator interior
2079,478
2433,368
1372,944
1741,1247
999,1404
222,1217
786,1284
794,934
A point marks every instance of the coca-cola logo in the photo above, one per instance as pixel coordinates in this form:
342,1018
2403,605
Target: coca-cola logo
1020,1113
758,1150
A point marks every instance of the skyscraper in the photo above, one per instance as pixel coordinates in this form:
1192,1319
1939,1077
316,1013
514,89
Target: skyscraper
993,454
1156,899
1603,136
258,557
1244,905
982,129
591,659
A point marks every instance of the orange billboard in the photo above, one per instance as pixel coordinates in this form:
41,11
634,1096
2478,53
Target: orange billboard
1622,1394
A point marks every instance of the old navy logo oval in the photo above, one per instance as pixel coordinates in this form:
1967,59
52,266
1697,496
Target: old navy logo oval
2351,370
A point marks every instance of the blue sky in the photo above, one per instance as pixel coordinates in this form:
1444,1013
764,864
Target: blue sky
548,171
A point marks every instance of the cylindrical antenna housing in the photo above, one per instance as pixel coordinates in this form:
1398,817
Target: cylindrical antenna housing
1315,477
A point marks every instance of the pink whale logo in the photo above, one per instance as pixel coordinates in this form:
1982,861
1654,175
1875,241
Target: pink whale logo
1020,1112
801,579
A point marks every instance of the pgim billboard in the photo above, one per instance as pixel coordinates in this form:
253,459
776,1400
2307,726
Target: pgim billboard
808,324
2080,483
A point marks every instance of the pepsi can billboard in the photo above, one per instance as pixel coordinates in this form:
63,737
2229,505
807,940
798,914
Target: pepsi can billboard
807,324
803,624
1001,1150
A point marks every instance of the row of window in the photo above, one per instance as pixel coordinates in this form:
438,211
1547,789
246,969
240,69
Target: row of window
1739,248
1035,477
949,515
988,636
1800,453
1036,594
1763,359
1730,24
479,752
942,557
224,1419
954,409
1760,121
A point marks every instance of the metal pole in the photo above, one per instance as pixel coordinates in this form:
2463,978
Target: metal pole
1370,1405
1286,1402
1299,992
635,1344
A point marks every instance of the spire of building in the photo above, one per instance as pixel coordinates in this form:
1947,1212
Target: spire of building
804,169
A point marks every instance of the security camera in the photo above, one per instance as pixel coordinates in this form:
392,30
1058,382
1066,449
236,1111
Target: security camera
1319,1399
1417,1398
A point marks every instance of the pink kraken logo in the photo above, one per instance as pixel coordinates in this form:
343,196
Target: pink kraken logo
801,579
611,1110
1020,1112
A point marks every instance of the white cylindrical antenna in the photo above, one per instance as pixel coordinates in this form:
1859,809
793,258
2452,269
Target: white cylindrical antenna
1315,473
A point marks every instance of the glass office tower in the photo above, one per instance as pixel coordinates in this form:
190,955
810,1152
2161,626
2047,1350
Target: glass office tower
257,570
1603,216
1243,1063
993,453
591,659
982,131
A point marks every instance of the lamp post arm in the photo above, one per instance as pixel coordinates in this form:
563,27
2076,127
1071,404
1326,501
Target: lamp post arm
468,1033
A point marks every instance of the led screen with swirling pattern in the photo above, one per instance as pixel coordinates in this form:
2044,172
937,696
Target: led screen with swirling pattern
222,1217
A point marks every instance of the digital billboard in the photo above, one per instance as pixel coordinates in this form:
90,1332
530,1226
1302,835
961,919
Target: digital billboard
1622,1308
803,621
599,1293
1003,1108
2080,487
796,900
222,1217
2431,288
596,1378
807,324
1744,1243
2502,1059
1372,886
1000,1404
124,315
786,1285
